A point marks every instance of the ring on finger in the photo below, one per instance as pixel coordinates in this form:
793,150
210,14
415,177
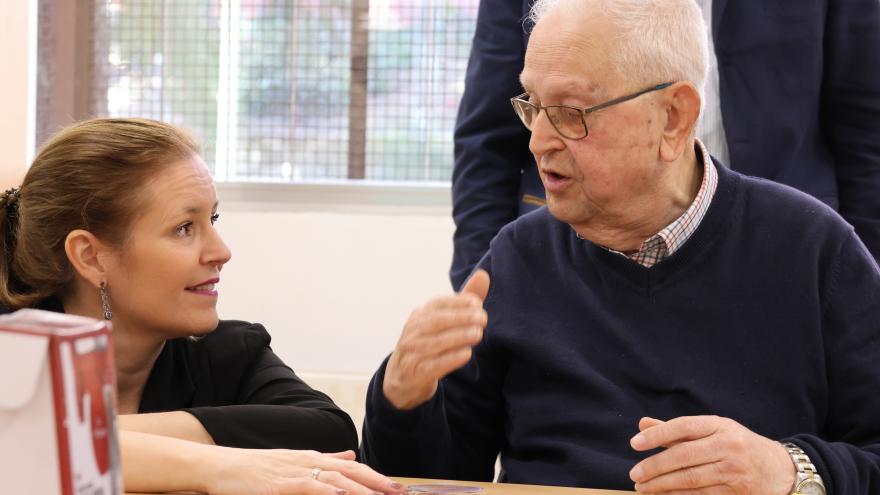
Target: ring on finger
315,472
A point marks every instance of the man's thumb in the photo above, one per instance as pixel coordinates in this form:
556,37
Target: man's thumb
478,284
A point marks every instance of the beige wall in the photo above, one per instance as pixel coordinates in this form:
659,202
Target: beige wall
333,284
333,288
16,119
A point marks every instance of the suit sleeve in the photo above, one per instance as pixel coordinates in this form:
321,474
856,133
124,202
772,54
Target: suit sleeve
851,111
491,144
456,435
271,407
847,454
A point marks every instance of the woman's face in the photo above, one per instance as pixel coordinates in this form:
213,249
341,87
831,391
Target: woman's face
164,277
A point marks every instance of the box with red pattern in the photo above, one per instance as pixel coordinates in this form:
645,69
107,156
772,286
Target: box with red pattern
57,405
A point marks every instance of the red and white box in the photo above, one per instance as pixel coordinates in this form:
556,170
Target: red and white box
57,406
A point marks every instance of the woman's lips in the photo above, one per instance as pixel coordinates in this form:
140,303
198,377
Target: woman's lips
208,289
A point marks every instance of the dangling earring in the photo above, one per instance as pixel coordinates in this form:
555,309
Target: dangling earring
105,302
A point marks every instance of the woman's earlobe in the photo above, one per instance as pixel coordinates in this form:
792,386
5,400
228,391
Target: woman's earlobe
84,252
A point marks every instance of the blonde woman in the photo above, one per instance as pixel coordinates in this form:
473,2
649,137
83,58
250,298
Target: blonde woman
115,219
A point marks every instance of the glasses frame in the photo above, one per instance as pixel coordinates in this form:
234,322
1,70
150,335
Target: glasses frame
519,101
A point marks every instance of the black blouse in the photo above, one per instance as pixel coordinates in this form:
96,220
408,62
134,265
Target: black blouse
242,393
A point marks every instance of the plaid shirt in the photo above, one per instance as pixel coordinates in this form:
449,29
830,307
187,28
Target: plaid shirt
673,236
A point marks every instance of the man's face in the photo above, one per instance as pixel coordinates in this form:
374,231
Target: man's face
608,178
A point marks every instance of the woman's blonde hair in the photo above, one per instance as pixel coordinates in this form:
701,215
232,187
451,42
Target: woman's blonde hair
88,176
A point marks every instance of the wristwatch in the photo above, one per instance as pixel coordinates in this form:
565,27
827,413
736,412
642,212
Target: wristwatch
806,480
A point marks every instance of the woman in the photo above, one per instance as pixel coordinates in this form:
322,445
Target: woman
115,220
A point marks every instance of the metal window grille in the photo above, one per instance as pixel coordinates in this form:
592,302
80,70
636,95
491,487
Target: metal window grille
276,90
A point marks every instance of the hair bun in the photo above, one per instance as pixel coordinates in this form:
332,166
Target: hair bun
9,200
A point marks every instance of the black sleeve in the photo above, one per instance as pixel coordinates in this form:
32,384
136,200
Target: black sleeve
491,144
851,111
847,454
270,407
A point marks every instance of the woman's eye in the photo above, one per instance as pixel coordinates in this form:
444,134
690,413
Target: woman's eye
184,230
214,218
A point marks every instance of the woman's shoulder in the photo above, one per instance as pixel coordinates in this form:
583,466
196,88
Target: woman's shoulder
237,329
231,341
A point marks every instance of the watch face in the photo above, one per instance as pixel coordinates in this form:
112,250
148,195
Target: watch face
810,487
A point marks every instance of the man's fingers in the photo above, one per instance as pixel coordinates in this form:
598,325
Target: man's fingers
647,422
681,456
444,364
707,478
430,323
675,431
477,285
451,340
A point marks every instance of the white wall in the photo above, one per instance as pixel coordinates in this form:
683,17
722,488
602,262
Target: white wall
332,287
333,280
17,30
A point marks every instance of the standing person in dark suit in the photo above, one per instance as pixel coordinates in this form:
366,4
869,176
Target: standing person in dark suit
799,86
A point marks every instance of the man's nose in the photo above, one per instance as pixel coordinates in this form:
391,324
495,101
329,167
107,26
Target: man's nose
544,136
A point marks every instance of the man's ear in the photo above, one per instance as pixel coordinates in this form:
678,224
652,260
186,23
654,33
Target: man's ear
682,110
88,255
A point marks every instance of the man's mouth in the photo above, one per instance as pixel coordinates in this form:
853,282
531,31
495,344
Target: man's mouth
554,181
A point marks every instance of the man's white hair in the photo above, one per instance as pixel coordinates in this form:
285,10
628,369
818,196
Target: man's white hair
655,40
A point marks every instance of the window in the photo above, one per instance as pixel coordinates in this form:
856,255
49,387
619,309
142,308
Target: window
276,90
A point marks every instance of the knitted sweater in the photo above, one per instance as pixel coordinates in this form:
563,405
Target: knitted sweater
768,315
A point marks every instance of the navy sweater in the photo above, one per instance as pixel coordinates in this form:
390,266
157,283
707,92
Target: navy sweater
768,315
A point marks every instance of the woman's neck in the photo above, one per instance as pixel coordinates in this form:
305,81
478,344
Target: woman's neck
135,352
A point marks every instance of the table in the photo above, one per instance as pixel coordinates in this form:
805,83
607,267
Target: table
501,488
511,489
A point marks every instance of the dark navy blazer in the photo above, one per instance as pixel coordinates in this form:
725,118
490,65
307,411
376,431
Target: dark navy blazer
800,99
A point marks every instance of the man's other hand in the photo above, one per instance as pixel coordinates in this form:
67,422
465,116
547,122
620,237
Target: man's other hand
709,455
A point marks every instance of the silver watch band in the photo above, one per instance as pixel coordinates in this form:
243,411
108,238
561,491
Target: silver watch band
805,468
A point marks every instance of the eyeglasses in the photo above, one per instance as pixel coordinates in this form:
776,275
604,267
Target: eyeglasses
569,122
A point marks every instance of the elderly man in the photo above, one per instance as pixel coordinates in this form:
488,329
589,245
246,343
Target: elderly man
665,323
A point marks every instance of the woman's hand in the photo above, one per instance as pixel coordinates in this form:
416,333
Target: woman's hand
244,472
158,464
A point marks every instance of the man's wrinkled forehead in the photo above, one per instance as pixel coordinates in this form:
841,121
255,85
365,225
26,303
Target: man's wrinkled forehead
564,68
566,54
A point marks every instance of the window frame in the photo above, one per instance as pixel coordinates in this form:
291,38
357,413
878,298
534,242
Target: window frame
71,58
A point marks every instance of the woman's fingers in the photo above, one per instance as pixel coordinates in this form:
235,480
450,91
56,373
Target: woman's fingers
347,455
360,474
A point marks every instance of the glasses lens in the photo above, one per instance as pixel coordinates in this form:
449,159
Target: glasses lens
567,121
526,112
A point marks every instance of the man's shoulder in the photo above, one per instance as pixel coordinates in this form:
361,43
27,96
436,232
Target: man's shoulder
779,201
777,214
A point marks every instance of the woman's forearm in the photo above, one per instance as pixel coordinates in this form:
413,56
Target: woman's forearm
158,464
177,424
